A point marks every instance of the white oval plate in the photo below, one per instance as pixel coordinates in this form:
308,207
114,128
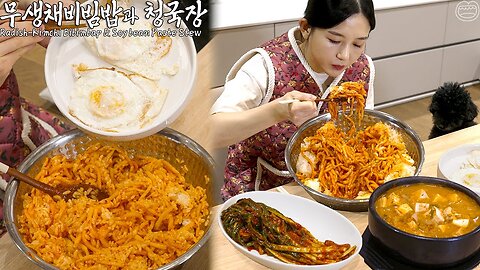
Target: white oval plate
452,160
64,52
323,222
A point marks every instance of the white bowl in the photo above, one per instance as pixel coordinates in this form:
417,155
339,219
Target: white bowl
63,52
451,162
323,222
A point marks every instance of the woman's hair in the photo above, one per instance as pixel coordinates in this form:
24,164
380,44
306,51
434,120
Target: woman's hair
328,13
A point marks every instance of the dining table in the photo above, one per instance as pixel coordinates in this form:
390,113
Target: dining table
224,255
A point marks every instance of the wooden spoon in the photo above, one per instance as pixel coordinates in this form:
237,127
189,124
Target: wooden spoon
66,192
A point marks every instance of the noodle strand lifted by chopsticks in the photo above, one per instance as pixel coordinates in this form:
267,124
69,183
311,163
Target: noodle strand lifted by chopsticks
151,217
350,97
352,163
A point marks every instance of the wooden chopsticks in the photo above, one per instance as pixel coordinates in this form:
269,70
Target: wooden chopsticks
288,101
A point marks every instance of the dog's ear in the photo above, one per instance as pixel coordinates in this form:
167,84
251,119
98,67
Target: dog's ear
451,86
433,108
472,111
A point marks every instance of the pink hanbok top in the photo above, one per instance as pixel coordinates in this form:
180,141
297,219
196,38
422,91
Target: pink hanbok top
23,127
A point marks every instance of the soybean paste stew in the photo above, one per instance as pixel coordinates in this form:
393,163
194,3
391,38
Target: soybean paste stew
429,210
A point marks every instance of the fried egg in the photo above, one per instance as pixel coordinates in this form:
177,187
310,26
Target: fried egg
162,60
122,48
155,95
151,56
110,100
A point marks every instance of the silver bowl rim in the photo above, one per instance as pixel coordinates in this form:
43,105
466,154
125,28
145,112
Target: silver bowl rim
326,116
62,139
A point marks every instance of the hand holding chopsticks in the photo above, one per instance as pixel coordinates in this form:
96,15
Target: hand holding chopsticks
295,111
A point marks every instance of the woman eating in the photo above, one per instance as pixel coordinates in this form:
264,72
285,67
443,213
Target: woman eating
255,115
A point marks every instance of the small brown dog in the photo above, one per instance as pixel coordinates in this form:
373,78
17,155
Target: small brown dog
452,109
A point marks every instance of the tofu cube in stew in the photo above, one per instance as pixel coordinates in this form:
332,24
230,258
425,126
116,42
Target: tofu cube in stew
404,209
420,195
393,199
438,217
461,222
421,207
453,197
412,224
382,202
439,199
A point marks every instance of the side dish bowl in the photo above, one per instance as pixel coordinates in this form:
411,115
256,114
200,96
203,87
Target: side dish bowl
461,165
168,144
323,222
412,142
425,251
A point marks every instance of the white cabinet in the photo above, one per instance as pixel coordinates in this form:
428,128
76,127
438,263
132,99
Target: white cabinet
229,45
407,75
461,63
281,28
407,29
459,28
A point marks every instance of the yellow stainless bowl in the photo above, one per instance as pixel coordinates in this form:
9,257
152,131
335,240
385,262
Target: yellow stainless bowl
412,142
168,144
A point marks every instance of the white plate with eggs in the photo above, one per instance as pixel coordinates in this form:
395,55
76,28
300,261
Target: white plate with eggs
122,88
462,165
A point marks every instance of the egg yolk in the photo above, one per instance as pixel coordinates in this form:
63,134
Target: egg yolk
107,102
